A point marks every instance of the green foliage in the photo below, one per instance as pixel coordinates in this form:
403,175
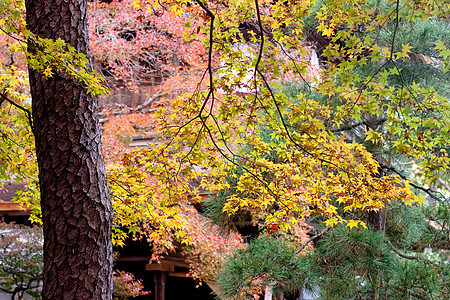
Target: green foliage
351,263
267,260
406,226
418,279
416,228
354,264
345,264
437,235
213,209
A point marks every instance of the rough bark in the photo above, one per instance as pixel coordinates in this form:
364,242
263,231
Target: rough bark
376,218
76,207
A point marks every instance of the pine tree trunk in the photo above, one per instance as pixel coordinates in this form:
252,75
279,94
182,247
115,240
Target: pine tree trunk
76,207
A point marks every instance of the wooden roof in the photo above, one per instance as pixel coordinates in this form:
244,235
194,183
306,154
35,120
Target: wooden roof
7,206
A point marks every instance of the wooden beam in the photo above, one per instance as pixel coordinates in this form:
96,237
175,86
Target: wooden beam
134,258
163,266
182,274
10,207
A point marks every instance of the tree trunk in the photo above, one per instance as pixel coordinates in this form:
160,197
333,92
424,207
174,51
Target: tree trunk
76,207
376,218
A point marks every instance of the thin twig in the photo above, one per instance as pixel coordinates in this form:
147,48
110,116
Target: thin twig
261,42
11,36
210,51
395,29
429,191
27,112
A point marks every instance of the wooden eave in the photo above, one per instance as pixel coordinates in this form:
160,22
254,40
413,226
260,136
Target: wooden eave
7,193
174,265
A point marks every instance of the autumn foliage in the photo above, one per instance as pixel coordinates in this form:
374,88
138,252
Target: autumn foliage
245,114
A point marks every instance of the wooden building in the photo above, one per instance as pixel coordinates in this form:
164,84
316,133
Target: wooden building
166,280
10,211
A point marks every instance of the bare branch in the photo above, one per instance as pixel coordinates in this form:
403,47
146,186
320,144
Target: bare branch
399,253
140,108
444,184
149,101
311,239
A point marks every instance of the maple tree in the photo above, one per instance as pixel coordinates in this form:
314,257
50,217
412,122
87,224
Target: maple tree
16,141
126,286
308,161
310,156
131,44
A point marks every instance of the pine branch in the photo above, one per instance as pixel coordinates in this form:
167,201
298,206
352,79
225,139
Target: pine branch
400,253
416,295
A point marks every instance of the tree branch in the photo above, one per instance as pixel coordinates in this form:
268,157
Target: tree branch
405,255
444,184
149,101
400,253
395,29
364,122
139,108
311,239
5,290
210,51
429,191
348,127
27,112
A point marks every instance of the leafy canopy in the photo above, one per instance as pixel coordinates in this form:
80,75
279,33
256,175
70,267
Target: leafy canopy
318,168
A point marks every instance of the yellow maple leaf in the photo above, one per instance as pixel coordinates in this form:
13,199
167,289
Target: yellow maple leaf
331,222
352,223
